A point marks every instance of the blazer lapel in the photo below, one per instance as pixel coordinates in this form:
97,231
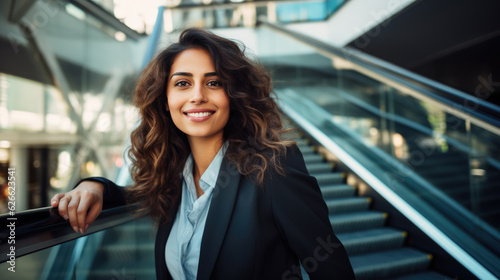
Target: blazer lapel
219,214
161,241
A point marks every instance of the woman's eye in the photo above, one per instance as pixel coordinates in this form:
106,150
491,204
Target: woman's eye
214,84
181,84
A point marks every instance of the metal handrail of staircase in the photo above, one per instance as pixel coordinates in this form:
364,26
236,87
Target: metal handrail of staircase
42,228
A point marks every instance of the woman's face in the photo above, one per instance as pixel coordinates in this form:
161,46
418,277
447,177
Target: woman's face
196,98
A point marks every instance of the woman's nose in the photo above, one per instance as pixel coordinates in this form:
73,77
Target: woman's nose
199,95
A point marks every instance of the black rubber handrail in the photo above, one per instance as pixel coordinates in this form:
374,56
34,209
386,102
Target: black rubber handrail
42,228
453,98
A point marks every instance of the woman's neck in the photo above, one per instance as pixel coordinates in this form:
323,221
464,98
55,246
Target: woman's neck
204,151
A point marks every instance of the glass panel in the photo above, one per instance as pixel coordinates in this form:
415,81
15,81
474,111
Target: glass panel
50,263
292,12
485,175
333,5
123,252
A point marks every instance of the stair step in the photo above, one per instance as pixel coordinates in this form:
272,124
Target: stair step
357,221
122,272
337,191
301,142
126,252
306,149
313,158
390,263
350,204
330,178
427,275
321,167
372,240
131,234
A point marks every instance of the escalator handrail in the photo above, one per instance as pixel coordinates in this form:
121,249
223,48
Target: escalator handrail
455,100
41,228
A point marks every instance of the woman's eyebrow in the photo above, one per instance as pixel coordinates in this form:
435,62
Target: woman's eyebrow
210,74
181,74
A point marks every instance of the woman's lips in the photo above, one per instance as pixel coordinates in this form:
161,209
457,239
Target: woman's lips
199,116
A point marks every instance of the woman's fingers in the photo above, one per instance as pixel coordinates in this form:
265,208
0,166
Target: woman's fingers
63,206
55,199
72,207
92,214
81,206
87,202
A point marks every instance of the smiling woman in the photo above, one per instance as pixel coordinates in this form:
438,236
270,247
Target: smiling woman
232,198
196,98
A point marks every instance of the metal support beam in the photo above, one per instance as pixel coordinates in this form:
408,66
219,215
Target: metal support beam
50,60
19,8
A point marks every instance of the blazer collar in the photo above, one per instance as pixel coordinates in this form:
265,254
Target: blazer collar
219,214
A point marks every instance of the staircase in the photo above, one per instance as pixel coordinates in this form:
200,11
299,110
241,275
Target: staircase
376,251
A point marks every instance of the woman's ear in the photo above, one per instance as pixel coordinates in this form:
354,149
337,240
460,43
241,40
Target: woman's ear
166,107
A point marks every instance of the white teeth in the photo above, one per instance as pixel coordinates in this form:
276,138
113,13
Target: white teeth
197,115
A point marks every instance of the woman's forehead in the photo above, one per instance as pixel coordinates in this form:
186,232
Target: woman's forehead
193,60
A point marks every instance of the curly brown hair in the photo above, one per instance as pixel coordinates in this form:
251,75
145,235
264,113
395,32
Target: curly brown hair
159,149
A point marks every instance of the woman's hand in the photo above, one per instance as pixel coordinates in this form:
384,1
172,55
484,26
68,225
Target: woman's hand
81,206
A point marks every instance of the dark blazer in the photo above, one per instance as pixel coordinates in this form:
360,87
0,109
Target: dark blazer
261,232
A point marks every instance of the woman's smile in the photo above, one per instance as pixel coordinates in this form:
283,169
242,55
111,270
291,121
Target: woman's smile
199,115
196,98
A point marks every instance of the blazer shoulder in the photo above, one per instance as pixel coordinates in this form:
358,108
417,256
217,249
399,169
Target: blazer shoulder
290,161
293,158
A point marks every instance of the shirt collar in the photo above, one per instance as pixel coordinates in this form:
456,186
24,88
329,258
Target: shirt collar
209,177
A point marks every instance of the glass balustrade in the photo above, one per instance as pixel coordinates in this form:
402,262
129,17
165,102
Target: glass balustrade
122,252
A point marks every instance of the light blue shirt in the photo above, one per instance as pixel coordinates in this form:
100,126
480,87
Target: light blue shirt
182,252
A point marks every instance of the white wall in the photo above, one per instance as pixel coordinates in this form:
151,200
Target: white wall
358,16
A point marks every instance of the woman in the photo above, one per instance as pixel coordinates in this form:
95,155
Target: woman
232,198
